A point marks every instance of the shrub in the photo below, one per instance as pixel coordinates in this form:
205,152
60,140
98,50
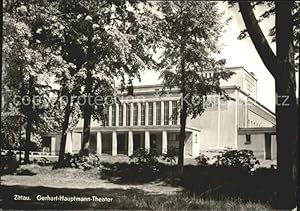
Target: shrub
43,161
9,163
243,159
171,155
144,165
202,160
80,161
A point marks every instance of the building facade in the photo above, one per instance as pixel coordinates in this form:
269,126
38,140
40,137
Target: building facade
149,120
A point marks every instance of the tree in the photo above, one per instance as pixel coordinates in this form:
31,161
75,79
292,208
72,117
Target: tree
190,32
282,67
23,68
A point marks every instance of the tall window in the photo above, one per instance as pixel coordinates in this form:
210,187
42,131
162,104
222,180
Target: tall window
158,113
106,116
150,114
135,114
143,110
120,114
166,112
174,110
113,116
128,114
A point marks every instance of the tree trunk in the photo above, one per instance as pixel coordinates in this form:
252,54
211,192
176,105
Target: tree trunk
27,139
286,108
183,112
65,126
87,114
29,120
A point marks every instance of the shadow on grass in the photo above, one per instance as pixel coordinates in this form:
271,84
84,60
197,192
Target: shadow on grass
209,182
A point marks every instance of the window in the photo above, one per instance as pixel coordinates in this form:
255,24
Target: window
135,114
105,116
166,112
248,139
120,114
158,113
143,110
113,115
196,138
174,111
150,114
128,114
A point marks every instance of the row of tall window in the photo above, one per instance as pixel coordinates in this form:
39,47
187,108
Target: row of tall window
167,116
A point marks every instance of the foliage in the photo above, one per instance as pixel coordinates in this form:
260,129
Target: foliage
202,160
171,155
244,159
144,164
9,163
80,161
189,32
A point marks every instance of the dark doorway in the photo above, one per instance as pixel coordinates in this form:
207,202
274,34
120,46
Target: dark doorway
107,143
268,146
136,141
121,144
93,144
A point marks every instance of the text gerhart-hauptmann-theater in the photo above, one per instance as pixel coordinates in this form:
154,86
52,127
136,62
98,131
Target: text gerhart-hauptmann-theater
146,120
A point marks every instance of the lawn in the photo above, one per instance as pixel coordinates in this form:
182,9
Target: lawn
33,180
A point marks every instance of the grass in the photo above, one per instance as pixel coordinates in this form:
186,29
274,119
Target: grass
122,199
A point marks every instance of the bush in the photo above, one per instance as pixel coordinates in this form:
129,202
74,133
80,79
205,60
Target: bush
144,165
202,160
80,161
243,159
9,163
171,155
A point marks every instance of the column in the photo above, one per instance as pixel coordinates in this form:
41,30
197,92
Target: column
117,114
68,147
164,142
162,111
178,114
154,113
130,143
139,114
99,143
124,114
110,116
170,112
53,144
147,113
131,114
147,141
114,144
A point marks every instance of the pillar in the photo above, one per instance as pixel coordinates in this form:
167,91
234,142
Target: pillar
170,112
139,114
154,113
147,141
131,114
147,113
117,114
162,111
53,144
124,114
164,142
99,143
68,147
130,143
114,144
110,115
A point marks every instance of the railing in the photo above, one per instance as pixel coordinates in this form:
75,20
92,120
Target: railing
31,153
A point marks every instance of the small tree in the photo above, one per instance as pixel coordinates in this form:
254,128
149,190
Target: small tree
190,32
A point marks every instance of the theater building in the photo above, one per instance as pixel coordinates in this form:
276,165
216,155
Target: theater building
147,120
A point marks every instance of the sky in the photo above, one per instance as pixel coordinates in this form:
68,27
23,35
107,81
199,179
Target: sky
239,53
